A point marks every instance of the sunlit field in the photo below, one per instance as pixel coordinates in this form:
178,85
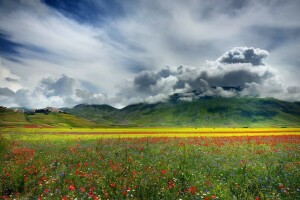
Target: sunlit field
162,163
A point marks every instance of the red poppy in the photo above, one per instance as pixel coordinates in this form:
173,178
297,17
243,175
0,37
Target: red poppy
171,184
112,185
72,188
192,190
82,189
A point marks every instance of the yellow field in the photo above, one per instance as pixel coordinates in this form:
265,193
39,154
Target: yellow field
87,133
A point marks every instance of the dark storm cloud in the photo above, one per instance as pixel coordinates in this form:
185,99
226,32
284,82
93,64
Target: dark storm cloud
145,79
62,86
228,76
244,55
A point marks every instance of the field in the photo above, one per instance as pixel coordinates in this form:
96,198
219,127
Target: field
154,163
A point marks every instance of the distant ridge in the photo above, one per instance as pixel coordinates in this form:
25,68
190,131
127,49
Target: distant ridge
202,111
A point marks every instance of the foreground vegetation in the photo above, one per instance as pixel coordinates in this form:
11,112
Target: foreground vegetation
255,167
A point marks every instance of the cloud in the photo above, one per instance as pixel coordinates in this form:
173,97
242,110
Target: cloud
8,79
119,49
6,92
244,55
245,75
62,86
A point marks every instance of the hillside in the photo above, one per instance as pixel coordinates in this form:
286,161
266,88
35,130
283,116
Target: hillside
10,117
204,112
41,118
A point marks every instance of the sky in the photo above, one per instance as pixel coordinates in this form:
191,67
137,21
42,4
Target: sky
61,53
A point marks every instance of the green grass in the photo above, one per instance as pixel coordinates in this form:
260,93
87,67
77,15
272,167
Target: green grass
59,120
152,168
10,118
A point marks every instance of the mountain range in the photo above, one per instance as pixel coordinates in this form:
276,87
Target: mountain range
200,112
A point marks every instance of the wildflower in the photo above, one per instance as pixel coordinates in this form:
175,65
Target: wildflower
112,185
171,185
192,190
72,188
46,191
133,174
281,186
124,193
64,198
257,198
163,172
82,189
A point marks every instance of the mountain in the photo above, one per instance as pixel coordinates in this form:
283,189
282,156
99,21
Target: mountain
181,110
100,114
202,112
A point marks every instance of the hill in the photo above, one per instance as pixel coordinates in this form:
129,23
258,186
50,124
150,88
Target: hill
48,117
203,112
12,117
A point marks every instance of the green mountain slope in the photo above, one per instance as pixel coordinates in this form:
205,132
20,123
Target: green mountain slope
204,112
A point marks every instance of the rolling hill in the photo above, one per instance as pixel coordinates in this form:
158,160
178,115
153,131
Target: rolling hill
41,118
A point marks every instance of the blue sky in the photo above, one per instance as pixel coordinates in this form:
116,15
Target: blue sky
61,53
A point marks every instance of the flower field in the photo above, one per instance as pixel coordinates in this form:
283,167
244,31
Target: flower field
197,167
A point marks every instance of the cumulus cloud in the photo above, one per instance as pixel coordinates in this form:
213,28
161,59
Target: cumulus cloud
62,86
244,55
239,72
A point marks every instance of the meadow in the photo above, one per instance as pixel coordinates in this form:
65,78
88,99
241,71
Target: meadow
161,163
